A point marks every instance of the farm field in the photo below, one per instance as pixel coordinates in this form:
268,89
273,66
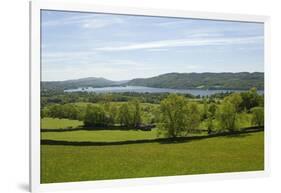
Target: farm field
55,123
233,153
100,135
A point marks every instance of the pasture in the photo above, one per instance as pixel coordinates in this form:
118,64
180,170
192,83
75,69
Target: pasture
99,137
232,153
55,123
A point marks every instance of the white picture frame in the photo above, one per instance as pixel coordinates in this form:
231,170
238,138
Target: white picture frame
35,73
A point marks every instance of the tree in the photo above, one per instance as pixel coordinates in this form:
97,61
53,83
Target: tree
251,99
95,116
212,110
124,115
211,114
227,116
56,111
113,114
193,114
177,116
205,110
210,123
130,114
136,113
258,116
235,99
69,111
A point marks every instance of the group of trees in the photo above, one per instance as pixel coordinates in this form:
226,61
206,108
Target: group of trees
180,117
232,105
127,115
103,114
177,115
67,111
55,97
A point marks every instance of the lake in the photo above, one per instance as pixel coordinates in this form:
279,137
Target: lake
143,89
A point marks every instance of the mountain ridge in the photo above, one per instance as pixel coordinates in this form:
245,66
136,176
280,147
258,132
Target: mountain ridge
206,80
175,80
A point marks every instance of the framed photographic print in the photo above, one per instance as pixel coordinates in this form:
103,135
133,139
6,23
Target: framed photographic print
130,96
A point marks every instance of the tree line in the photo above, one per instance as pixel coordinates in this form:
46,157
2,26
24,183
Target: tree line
177,115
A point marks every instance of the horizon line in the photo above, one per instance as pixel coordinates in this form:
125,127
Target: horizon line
150,76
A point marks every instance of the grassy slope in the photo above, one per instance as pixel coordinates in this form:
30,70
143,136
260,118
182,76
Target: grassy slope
54,123
220,154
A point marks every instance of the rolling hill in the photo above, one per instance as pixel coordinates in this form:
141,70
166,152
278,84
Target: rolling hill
226,80
72,84
242,80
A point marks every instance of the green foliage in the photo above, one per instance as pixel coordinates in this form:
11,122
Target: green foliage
251,99
205,110
132,111
210,124
130,114
227,116
242,80
95,116
136,113
67,111
235,99
258,116
177,116
125,115
212,110
193,117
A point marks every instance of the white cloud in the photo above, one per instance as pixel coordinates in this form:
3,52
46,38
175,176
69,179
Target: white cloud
184,43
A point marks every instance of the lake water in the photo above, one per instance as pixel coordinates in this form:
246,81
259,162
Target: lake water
142,89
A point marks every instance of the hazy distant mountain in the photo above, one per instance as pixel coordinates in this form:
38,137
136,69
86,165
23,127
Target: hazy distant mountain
241,80
72,84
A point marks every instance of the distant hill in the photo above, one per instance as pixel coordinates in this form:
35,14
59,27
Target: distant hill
72,84
241,80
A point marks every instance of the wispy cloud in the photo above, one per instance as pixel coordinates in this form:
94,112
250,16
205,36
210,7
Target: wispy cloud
92,21
76,45
53,57
184,43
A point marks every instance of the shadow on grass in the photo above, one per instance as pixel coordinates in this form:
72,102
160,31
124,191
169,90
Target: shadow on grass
113,128
243,133
98,128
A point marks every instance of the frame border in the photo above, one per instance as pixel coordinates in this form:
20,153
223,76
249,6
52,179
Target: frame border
34,99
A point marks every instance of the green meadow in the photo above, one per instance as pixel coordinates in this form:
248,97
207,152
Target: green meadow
88,136
235,153
56,123
100,135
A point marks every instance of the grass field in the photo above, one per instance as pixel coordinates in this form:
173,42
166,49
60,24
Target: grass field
102,135
219,154
55,123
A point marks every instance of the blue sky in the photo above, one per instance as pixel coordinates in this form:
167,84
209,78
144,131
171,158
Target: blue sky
121,47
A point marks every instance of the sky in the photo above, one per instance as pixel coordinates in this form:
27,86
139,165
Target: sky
122,47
